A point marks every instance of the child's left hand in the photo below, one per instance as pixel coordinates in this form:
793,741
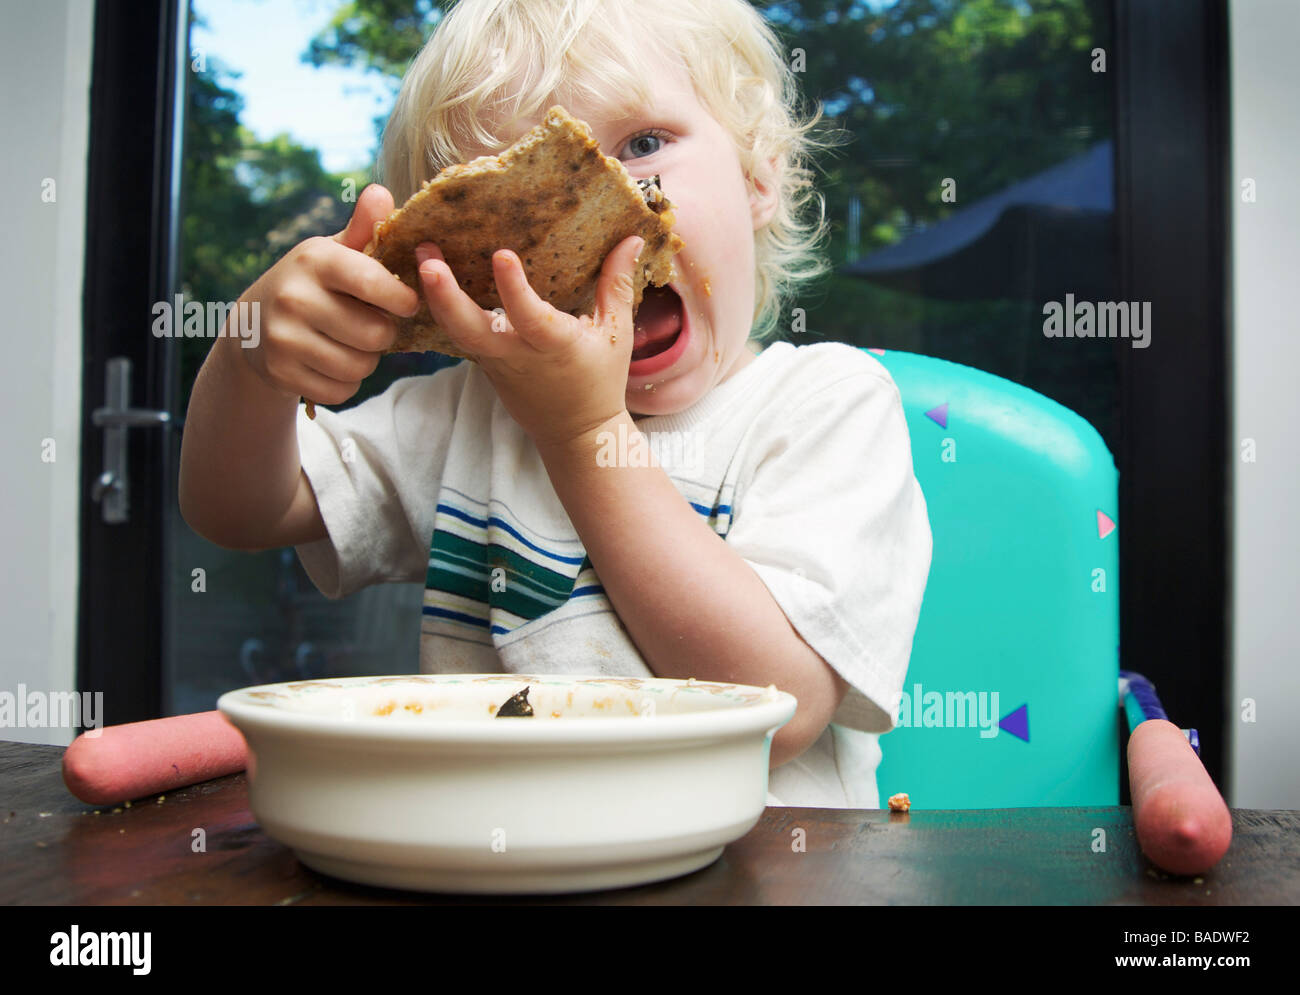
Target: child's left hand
558,376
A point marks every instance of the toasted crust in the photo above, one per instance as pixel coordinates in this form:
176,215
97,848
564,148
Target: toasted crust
553,199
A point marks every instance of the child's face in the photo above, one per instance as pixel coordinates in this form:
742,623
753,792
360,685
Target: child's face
716,217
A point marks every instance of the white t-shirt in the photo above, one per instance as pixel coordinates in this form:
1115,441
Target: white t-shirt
801,462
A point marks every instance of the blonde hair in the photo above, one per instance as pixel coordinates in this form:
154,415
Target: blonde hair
476,74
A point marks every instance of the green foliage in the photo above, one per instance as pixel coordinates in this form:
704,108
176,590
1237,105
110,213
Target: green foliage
380,36
985,92
236,193
377,36
976,90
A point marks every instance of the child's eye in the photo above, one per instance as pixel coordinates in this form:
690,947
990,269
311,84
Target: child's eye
636,145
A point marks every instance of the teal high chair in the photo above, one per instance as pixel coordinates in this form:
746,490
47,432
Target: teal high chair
1011,693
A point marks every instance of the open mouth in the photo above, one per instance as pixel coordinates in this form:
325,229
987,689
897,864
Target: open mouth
657,323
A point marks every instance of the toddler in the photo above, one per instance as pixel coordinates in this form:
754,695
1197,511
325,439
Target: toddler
669,498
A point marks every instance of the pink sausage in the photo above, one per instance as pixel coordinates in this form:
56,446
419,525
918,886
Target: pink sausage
144,758
1183,824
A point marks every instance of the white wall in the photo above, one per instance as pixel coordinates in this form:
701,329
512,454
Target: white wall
45,56
1265,760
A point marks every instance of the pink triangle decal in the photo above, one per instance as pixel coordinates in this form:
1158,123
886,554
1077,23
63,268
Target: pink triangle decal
939,414
878,352
1104,524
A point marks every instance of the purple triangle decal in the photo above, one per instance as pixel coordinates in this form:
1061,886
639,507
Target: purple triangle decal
878,352
1105,525
939,414
1017,723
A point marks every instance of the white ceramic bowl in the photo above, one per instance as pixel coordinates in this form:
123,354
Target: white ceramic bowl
413,782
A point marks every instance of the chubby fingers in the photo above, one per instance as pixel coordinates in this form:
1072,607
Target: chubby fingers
345,271
468,324
614,289
533,320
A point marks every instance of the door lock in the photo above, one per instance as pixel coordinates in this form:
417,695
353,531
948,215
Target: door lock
112,488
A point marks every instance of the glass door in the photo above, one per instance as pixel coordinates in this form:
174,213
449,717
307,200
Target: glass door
274,151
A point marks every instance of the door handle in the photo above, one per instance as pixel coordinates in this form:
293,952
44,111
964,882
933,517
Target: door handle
129,417
112,488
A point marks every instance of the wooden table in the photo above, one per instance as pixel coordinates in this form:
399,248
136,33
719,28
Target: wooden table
55,851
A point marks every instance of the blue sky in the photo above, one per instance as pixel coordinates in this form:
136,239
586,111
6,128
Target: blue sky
329,109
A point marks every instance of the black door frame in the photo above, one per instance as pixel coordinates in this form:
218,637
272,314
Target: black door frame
136,104
1173,224
1173,229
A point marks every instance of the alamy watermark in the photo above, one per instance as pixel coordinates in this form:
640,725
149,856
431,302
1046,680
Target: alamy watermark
180,318
948,710
670,450
102,949
1103,320
52,710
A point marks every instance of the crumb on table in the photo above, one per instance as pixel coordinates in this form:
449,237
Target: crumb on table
900,802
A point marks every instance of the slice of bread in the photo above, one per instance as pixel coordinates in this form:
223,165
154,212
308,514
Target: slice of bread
553,199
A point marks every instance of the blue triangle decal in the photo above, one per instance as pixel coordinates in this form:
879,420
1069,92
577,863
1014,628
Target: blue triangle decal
1017,723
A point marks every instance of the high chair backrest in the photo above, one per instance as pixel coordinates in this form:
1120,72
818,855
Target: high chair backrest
1010,698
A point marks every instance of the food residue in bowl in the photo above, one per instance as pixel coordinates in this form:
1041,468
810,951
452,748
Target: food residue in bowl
516,707
425,700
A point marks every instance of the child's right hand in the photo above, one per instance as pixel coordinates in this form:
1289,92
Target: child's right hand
327,310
